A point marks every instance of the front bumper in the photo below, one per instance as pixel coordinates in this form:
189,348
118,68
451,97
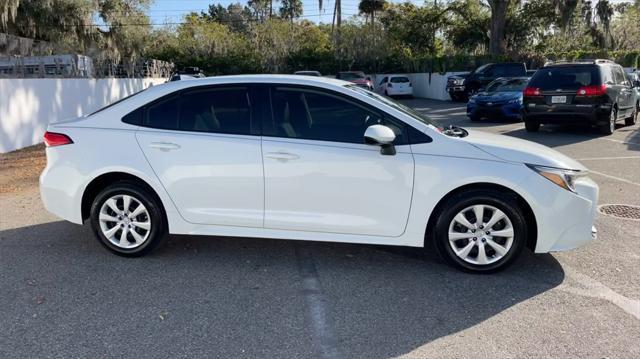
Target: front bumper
509,111
565,219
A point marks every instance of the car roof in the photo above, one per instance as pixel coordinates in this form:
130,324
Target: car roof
236,79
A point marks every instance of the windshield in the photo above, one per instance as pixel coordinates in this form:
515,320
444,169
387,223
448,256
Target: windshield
480,69
350,75
514,85
396,105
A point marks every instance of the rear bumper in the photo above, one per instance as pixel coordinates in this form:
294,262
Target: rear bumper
399,92
587,114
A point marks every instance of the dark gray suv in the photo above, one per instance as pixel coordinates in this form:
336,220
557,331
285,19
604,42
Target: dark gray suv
594,92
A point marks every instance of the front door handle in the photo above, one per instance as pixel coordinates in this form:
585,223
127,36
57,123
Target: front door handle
281,156
164,146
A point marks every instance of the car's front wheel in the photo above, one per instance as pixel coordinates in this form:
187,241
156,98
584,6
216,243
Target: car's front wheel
480,231
630,121
127,219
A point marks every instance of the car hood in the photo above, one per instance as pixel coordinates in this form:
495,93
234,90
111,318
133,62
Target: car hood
459,76
498,96
513,149
360,81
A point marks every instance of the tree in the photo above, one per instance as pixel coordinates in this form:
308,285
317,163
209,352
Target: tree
369,8
497,41
70,25
238,17
290,9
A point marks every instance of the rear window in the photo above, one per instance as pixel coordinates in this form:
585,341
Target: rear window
396,80
566,77
512,85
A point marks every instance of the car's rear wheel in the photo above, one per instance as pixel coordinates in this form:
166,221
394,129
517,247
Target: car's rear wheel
480,231
610,126
127,219
630,121
531,125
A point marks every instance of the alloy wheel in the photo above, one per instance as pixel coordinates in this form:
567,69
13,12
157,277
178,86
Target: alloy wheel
481,234
125,221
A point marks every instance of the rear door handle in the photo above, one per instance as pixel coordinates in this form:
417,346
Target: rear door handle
281,156
164,146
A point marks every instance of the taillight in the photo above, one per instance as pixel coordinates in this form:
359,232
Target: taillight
52,139
531,91
595,90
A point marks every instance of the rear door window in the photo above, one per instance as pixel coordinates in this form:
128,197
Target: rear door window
565,77
164,113
216,110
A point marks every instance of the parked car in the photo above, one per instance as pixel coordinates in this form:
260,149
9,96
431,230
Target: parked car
296,157
595,92
461,87
634,77
502,99
356,77
395,85
188,73
308,73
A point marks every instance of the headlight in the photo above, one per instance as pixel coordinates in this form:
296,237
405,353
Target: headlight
458,81
563,178
472,100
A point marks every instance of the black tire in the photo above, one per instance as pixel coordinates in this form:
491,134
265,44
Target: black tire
531,126
155,216
501,201
630,121
609,127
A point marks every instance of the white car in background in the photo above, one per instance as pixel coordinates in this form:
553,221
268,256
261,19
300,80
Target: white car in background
395,85
296,157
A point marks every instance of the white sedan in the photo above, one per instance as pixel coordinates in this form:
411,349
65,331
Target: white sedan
317,159
395,85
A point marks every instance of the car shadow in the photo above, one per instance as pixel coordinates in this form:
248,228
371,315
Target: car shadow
241,297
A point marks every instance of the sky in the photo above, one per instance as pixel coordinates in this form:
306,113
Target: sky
172,10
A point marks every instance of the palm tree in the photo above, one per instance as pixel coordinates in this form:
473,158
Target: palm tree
369,8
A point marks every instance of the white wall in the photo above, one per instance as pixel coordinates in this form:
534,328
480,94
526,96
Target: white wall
424,85
28,105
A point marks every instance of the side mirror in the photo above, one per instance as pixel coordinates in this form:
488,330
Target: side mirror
382,136
635,83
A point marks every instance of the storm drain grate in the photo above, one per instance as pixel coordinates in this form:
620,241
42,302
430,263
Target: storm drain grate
621,211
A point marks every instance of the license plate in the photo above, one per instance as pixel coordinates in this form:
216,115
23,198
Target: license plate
558,99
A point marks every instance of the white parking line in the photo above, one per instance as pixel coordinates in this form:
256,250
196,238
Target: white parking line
619,141
614,177
609,158
594,289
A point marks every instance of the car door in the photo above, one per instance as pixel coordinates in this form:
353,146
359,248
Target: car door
383,85
319,174
204,146
625,92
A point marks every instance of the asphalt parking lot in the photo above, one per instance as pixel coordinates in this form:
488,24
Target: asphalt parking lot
63,295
